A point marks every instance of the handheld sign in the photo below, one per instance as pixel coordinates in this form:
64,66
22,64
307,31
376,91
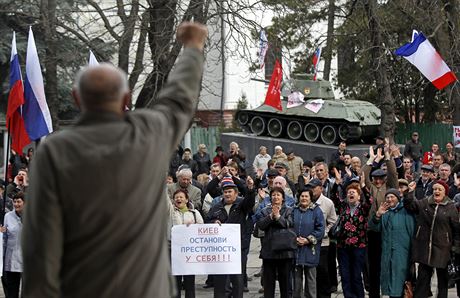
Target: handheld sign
206,249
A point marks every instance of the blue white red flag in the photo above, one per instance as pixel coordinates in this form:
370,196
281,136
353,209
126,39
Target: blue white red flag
36,113
424,56
263,48
316,57
92,59
14,119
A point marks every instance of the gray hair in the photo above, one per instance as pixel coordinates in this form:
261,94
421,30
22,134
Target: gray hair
184,172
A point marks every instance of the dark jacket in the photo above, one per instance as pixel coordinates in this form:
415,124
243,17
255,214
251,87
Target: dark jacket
413,150
203,163
423,190
436,232
309,223
269,225
239,212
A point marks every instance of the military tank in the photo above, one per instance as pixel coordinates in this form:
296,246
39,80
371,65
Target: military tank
337,120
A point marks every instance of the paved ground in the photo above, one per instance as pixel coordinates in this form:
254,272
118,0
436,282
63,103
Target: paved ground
253,267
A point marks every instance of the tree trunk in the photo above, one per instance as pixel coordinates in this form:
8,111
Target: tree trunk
453,18
48,15
329,40
385,98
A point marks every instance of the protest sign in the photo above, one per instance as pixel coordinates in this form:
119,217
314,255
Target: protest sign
456,136
206,249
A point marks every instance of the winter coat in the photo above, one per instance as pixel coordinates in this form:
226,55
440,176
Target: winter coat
397,227
269,226
436,232
309,223
12,251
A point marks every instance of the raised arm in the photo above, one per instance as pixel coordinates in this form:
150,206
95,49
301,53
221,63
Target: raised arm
178,98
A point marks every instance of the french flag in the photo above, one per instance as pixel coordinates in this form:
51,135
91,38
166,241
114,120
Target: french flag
14,119
424,56
36,114
316,57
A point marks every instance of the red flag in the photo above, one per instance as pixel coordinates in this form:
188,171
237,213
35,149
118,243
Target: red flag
14,119
273,97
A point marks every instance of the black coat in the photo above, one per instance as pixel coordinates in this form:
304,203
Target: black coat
269,225
437,230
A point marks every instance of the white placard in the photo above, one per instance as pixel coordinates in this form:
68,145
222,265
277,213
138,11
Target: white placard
456,136
206,249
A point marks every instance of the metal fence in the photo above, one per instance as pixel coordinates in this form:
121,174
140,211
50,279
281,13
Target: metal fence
209,136
429,133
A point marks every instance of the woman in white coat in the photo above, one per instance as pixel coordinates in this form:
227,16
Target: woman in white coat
12,251
182,213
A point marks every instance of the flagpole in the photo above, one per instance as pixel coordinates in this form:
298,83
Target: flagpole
5,193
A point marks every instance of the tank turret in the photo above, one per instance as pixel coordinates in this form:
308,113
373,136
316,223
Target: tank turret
336,120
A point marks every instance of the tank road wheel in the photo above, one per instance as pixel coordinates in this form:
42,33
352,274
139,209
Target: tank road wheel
243,118
311,132
328,134
275,127
258,125
294,130
343,132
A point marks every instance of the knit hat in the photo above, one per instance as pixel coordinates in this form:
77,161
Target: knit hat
444,184
394,192
226,182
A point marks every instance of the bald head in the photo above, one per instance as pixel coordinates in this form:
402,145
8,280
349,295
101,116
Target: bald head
101,87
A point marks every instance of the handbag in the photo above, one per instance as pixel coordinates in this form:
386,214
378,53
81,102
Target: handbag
258,233
453,271
284,239
336,229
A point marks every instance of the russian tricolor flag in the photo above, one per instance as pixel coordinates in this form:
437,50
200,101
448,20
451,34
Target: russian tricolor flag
37,116
14,119
316,57
92,59
424,56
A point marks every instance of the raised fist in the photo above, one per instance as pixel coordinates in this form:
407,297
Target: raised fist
192,35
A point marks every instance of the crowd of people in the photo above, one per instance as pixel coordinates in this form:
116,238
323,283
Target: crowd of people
388,218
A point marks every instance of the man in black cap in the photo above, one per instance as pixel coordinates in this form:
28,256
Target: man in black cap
330,217
378,186
283,169
232,209
424,184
